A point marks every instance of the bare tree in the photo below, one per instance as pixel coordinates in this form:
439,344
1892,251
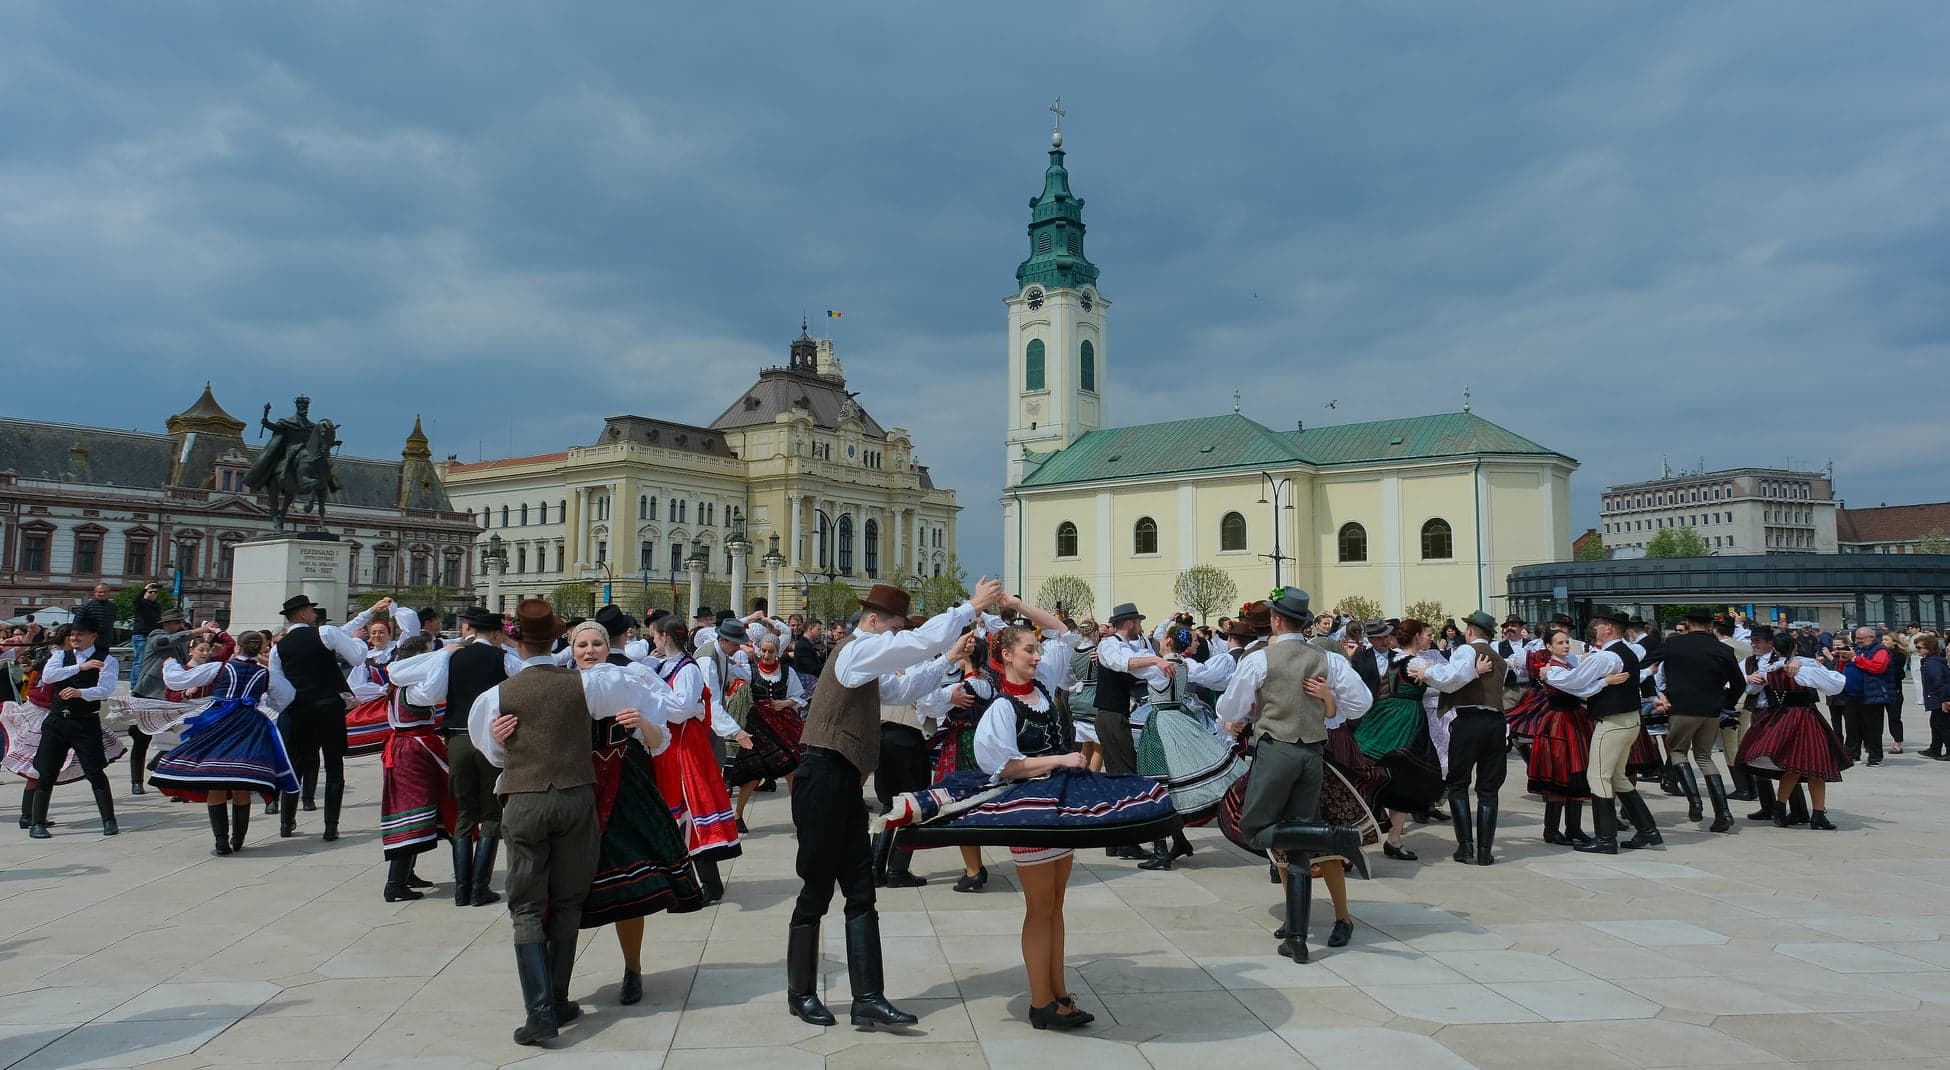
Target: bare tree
1359,608
1065,593
1427,610
1204,590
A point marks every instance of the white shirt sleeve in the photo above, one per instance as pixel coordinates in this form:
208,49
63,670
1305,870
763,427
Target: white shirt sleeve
177,677
280,692
345,646
913,685
995,737
1054,670
1453,674
1587,677
688,687
406,621
425,675
722,723
1351,695
1236,705
479,717
1214,673
871,655
1812,673
362,685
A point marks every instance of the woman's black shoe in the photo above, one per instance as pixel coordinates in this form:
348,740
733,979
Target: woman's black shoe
1399,854
632,989
1054,1015
1272,872
973,882
743,829
1557,839
1069,1005
1818,819
1343,932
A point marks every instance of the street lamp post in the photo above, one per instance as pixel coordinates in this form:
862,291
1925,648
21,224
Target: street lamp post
773,562
1279,486
494,560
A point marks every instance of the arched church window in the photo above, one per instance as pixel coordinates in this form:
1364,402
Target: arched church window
1076,244
873,549
1144,538
1032,366
1232,532
1087,377
1066,539
1043,242
1353,543
846,544
1438,542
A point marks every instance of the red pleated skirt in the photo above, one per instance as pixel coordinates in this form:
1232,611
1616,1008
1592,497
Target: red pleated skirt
1646,761
1560,753
692,784
1794,740
1526,718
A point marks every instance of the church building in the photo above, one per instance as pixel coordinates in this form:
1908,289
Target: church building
1425,508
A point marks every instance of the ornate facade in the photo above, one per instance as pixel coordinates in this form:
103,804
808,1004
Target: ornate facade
81,505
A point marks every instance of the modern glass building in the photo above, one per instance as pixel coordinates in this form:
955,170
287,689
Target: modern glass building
1836,589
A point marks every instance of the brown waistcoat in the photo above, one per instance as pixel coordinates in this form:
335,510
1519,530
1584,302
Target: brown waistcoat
1485,690
845,719
551,748
1284,710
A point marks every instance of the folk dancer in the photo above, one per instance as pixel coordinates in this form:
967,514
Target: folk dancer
1288,695
1126,666
1793,743
79,677
1608,680
535,727
231,749
1701,688
308,685
688,772
1471,683
482,660
1767,658
842,745
416,807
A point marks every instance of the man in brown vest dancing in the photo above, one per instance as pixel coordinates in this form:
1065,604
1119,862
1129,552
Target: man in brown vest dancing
842,742
534,726
1281,691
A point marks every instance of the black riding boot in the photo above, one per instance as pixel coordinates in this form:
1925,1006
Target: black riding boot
398,870
483,869
1485,829
1764,794
463,848
37,821
883,844
561,969
287,815
240,824
311,790
1553,825
708,879
334,801
1574,823
1716,790
26,806
1604,820
1743,786
1645,830
105,803
1797,810
1689,787
802,976
898,867
1311,837
537,995
1459,816
1299,904
1669,778
138,754
870,1006
220,828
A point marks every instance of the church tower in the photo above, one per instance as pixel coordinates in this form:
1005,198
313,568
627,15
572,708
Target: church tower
1056,326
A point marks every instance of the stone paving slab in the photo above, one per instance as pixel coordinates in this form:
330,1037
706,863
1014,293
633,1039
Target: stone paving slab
1769,947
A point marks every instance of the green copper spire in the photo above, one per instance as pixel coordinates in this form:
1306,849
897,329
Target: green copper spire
1056,259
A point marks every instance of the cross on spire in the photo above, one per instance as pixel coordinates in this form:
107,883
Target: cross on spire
1465,399
1235,401
1057,110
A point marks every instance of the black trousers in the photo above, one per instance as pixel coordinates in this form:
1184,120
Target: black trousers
1476,749
903,763
1864,727
83,736
314,736
1114,739
1895,714
831,818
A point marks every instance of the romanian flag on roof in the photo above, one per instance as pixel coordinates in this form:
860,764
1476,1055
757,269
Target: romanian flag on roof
832,315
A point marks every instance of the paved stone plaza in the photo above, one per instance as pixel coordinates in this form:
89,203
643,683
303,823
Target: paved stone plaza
1767,947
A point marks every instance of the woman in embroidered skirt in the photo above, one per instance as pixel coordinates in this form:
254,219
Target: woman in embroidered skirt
687,769
1560,748
775,723
643,865
1396,734
1793,743
230,750
416,809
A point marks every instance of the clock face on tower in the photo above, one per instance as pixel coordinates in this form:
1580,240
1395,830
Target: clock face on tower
1034,298
1087,301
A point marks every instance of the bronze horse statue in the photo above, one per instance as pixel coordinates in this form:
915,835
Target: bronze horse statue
309,479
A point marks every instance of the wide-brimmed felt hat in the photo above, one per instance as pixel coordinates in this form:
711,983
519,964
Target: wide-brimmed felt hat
1699,615
703,613
172,616
1513,621
1257,616
734,630
1125,611
295,603
1621,620
1377,629
1240,628
537,621
889,600
482,619
612,618
1292,604
1481,620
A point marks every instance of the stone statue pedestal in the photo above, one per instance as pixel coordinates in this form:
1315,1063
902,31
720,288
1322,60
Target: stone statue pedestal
265,572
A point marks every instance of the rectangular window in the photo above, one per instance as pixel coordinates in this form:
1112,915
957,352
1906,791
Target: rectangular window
33,552
521,560
558,557
226,559
653,508
135,557
646,555
602,551
419,570
87,555
186,558
676,558
382,570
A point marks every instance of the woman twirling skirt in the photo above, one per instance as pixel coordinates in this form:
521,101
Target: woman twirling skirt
416,811
692,785
1794,740
232,746
775,728
644,864
1560,753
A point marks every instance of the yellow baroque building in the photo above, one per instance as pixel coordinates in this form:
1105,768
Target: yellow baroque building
1431,508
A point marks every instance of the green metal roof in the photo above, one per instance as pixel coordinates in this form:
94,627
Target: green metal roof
1233,441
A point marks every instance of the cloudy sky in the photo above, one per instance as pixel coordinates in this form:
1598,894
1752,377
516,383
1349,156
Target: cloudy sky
1702,230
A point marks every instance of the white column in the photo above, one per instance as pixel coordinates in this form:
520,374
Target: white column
737,580
494,586
794,524
697,580
772,589
586,505
896,545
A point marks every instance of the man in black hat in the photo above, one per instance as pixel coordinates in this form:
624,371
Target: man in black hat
1471,682
1703,687
1126,664
1608,680
842,741
81,677
1282,693
147,682
483,659
1371,661
1516,670
308,668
